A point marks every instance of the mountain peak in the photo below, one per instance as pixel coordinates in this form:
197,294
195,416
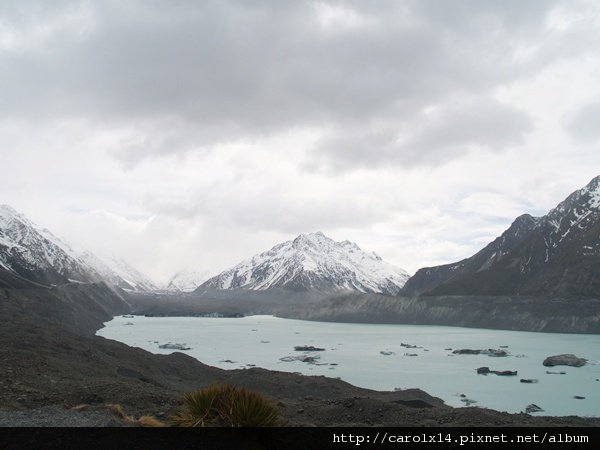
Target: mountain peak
556,254
313,261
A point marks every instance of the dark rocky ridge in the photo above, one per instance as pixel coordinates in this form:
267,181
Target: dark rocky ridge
557,255
495,312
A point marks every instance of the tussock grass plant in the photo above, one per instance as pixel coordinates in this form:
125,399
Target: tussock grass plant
225,405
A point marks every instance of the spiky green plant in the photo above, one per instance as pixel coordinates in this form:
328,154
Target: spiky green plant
225,405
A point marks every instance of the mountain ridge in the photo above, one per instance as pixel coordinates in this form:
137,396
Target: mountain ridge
34,253
312,261
557,254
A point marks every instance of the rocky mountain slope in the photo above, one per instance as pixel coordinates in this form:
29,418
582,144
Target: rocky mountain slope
118,272
36,254
555,255
313,261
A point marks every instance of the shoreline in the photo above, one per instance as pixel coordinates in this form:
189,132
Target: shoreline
51,357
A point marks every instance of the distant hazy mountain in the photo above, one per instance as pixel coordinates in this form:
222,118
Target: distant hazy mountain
187,280
557,254
118,272
33,253
313,262
36,254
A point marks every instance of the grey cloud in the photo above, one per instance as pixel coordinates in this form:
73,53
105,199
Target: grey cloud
267,209
223,71
431,138
584,124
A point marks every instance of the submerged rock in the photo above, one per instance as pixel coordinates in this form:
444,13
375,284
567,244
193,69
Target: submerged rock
382,352
564,360
579,397
549,372
528,380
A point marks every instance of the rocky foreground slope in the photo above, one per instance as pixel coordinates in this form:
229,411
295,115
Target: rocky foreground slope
50,358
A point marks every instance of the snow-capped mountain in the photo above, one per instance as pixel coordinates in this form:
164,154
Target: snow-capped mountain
187,280
36,254
557,254
118,272
313,261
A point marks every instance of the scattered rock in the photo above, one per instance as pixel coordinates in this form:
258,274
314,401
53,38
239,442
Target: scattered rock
308,348
528,380
228,361
579,397
402,344
466,351
448,349
533,408
468,401
489,352
311,359
502,373
564,360
172,346
411,354
549,372
504,346
382,352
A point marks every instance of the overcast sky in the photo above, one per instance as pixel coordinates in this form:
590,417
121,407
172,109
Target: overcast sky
195,134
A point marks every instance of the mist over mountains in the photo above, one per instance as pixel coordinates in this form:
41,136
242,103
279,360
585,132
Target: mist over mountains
557,255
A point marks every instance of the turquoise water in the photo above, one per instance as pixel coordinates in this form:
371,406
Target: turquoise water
355,351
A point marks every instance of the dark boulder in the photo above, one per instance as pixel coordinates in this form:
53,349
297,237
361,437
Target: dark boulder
564,360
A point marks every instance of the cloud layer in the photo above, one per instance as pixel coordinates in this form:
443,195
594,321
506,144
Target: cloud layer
371,121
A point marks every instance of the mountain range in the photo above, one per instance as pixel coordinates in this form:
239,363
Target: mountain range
33,253
557,255
313,261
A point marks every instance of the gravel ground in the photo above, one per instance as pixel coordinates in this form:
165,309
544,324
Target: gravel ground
56,416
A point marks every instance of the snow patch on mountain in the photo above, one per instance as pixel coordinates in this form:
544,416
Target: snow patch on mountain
32,251
118,272
187,280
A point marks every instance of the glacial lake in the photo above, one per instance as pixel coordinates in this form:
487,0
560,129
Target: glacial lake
353,353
